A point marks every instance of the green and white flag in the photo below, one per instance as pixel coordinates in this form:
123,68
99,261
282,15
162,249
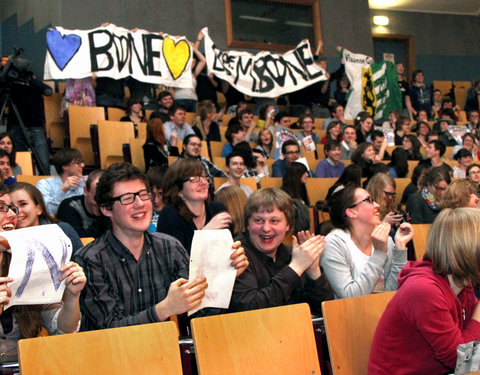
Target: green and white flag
374,87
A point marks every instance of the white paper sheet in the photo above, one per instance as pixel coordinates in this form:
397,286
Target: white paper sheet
38,253
210,258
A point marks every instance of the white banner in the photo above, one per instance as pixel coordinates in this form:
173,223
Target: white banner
116,52
265,74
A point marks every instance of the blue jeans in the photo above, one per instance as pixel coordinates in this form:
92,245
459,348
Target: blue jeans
37,138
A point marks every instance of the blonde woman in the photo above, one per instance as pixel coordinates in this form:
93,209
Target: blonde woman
435,308
234,198
460,193
382,190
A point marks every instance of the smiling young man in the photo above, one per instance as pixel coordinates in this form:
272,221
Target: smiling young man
331,166
290,153
278,274
235,166
69,182
135,277
177,123
192,147
165,102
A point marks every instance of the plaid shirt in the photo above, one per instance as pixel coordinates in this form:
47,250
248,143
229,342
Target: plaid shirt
122,291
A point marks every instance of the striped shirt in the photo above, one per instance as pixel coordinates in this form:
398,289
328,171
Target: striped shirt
122,291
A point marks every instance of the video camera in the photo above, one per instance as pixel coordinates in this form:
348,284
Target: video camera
17,71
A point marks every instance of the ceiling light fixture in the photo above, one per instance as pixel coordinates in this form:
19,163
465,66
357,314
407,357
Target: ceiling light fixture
380,20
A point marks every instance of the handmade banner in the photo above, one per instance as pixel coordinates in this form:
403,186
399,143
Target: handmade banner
116,52
283,134
37,255
374,87
265,74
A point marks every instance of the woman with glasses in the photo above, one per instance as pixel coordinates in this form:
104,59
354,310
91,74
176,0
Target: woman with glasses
32,211
423,205
20,322
185,191
382,190
360,257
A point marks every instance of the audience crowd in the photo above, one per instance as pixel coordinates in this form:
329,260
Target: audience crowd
135,270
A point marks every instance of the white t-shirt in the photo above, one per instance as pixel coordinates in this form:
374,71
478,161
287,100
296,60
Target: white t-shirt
360,261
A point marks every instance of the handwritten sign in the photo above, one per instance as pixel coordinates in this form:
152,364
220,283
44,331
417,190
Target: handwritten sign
38,253
210,258
265,74
116,52
283,134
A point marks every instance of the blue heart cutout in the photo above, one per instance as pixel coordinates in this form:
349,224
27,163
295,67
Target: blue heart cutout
62,48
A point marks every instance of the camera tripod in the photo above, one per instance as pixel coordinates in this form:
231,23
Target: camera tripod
11,105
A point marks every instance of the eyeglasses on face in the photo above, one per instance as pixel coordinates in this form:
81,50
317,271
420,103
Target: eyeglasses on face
292,152
366,200
5,207
389,194
129,198
195,179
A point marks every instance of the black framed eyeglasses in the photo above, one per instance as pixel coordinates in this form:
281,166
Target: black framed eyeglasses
194,179
5,207
129,198
366,200
389,194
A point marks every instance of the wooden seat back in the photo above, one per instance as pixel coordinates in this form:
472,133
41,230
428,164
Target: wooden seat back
136,156
350,324
271,182
278,340
111,136
401,184
317,188
420,239
79,121
141,349
115,114
251,182
24,160
30,178
54,125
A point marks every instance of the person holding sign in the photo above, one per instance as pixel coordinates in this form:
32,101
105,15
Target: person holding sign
188,209
19,322
136,277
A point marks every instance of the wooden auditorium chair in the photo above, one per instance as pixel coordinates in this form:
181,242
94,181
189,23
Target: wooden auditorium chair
141,349
278,340
350,324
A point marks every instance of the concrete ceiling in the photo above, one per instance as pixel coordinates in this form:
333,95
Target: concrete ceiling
463,7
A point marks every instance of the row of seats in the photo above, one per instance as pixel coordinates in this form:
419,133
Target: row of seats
460,89
256,341
113,134
251,342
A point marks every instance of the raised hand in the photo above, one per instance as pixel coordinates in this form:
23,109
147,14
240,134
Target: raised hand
238,257
380,237
74,277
